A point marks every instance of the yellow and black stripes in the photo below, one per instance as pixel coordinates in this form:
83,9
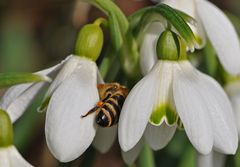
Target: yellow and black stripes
108,110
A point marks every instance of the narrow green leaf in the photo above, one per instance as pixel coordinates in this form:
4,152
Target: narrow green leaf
186,17
166,15
10,79
178,22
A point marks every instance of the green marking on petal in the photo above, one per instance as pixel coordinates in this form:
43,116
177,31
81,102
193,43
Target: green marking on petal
44,104
198,40
163,112
180,124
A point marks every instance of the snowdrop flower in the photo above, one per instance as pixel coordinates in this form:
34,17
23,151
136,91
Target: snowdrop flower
175,93
72,94
218,28
9,156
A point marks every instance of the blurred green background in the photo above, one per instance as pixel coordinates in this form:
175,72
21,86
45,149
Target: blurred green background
35,34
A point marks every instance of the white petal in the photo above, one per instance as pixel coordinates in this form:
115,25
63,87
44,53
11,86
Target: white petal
221,34
67,134
205,160
137,110
68,68
130,156
148,55
21,103
159,136
105,138
17,98
221,114
163,102
10,157
218,108
192,109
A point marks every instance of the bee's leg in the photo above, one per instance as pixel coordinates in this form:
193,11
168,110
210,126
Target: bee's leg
90,112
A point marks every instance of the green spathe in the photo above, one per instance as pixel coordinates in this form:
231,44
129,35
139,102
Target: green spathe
163,112
10,79
89,42
6,130
170,47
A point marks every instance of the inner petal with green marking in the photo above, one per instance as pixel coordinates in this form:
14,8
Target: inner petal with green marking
164,112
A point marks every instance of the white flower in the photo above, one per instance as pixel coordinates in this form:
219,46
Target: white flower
17,98
72,93
10,157
199,101
218,28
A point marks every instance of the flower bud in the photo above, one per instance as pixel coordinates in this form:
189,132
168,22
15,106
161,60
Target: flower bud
6,129
89,42
170,46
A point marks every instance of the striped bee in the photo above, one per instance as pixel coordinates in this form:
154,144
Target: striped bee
112,96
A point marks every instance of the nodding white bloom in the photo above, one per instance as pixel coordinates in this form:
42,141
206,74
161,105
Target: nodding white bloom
10,157
72,94
218,28
172,92
18,98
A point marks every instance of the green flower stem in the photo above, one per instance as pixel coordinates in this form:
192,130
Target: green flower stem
101,21
122,37
210,59
146,157
6,130
109,7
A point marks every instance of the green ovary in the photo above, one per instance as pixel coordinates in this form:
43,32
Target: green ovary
164,111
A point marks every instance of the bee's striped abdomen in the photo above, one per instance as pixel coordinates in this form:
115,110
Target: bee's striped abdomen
110,111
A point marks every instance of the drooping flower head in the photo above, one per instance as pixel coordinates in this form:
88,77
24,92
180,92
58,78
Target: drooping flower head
173,93
72,94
